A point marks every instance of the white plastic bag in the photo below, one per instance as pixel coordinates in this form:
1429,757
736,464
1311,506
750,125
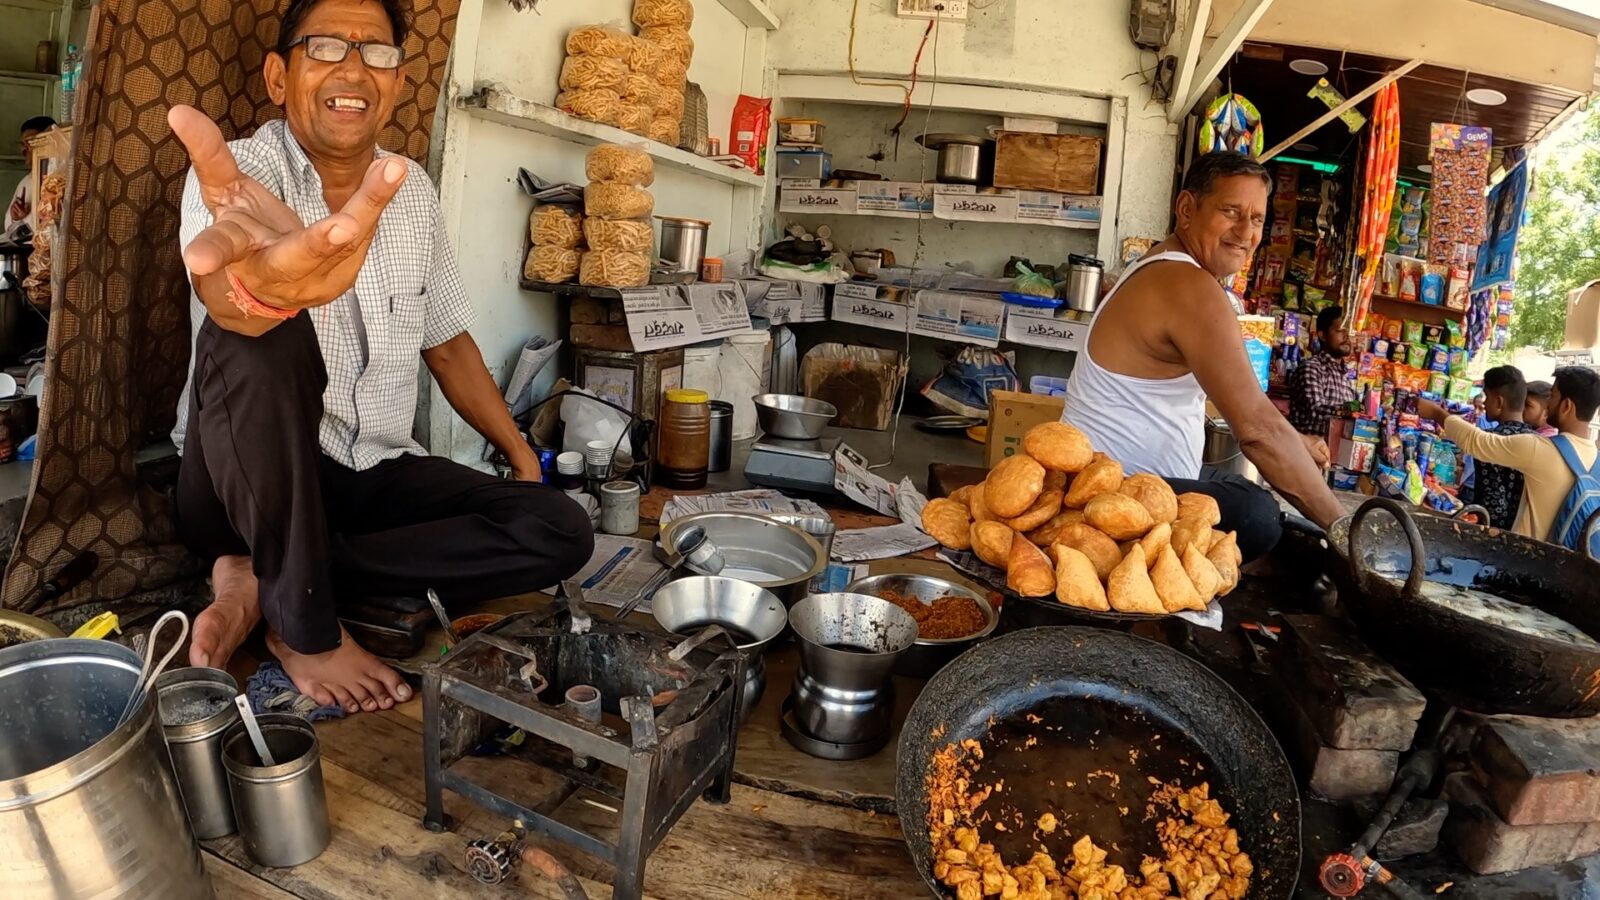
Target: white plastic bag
584,421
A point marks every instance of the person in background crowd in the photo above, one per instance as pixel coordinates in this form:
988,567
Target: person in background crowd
1499,488
1547,479
1320,386
1166,339
22,197
1537,410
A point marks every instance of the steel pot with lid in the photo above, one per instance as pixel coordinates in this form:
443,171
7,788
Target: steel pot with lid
961,156
1080,282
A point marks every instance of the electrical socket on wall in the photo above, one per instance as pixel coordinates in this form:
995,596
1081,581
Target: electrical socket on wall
952,10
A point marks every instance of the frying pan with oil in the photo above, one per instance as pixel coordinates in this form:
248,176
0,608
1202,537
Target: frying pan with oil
1075,722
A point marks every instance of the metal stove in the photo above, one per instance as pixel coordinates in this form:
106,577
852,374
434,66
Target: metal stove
670,723
795,465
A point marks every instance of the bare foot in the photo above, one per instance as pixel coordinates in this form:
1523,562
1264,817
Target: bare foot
347,675
234,611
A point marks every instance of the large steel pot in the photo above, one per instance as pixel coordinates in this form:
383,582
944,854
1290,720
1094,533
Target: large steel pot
1223,453
88,809
1470,661
961,157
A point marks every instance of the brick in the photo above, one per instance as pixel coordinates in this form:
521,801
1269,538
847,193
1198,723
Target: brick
1336,774
1415,828
1540,771
1356,700
1490,846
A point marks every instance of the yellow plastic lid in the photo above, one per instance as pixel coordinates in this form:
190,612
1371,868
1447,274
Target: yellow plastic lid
687,395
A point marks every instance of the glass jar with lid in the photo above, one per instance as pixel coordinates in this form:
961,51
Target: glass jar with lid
685,442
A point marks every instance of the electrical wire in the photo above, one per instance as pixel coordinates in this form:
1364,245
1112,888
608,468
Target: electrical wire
850,59
916,261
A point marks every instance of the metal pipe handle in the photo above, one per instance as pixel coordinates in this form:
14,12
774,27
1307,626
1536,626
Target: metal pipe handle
1358,567
1474,509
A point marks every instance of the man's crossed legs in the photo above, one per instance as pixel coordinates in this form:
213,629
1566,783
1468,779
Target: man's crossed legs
292,531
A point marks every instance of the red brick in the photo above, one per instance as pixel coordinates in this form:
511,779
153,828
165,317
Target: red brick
1489,846
1338,775
1540,771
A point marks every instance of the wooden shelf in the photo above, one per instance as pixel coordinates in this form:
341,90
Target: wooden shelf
753,13
516,112
1420,310
569,289
27,76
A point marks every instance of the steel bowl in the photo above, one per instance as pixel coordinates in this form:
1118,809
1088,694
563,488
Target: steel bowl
928,655
792,417
20,628
781,558
690,604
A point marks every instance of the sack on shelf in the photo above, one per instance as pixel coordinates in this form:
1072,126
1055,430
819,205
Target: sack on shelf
673,39
618,201
615,268
619,164
665,130
641,88
551,264
663,12
672,72
643,57
672,102
635,117
596,106
632,235
551,225
588,72
600,40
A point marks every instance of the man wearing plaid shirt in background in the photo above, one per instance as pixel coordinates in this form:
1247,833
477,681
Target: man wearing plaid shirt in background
1320,388
300,477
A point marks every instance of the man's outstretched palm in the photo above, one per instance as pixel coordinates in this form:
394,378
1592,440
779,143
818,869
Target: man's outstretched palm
258,238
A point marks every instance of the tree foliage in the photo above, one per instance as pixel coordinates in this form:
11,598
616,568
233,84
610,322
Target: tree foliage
1559,246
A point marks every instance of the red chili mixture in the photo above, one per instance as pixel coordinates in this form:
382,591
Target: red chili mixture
950,616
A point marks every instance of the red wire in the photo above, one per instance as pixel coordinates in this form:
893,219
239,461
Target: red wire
905,111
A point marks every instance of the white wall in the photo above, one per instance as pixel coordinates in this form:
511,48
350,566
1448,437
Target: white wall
487,214
1054,46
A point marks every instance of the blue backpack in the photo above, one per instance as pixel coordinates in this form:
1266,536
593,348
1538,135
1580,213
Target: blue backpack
1581,505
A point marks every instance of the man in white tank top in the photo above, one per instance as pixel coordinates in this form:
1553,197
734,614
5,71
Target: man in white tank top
1166,339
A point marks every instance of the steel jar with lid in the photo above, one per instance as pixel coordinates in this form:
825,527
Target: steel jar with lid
685,443
196,707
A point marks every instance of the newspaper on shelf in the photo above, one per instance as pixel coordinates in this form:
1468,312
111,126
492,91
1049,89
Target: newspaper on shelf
759,501
882,542
618,570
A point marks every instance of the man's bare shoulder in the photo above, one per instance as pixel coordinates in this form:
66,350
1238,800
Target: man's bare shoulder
1175,282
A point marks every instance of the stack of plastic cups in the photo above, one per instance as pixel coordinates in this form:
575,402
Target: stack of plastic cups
569,471
598,455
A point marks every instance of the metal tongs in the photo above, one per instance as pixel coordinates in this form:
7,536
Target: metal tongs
691,549
147,675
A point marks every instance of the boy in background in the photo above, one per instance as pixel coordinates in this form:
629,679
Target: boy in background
1537,410
1499,488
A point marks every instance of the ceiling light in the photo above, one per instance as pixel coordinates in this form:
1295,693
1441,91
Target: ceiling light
1305,147
1426,168
1486,96
1309,66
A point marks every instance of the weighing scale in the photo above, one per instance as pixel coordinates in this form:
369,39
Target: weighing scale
794,465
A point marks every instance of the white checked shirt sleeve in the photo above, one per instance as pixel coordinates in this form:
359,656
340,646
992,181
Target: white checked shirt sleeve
449,311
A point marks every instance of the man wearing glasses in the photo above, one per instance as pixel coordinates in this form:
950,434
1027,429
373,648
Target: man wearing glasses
320,272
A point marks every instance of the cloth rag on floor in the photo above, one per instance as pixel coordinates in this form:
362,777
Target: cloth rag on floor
271,691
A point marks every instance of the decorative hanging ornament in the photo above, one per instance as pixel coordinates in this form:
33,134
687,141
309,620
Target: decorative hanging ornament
1232,124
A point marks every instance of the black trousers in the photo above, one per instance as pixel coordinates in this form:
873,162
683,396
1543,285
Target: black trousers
254,481
1247,508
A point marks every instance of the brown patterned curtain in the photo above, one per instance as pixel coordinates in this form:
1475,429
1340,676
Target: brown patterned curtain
119,329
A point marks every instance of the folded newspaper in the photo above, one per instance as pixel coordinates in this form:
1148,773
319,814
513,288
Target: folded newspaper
618,570
759,501
882,542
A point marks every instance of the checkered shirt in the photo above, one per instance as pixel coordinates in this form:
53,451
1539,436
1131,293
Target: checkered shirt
1318,388
408,297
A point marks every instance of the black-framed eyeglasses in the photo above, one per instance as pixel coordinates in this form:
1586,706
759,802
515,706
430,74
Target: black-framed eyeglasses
330,49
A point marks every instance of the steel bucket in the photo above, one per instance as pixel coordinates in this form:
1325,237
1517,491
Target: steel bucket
1223,454
87,809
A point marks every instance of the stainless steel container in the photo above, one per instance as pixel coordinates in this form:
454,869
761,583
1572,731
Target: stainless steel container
88,809
753,616
1222,452
196,707
960,157
282,810
721,458
619,507
928,655
848,646
1080,284
819,527
781,558
792,417
683,244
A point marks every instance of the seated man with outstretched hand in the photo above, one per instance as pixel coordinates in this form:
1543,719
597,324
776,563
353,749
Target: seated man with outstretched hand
320,276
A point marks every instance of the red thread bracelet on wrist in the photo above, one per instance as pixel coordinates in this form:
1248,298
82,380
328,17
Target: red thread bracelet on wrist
251,305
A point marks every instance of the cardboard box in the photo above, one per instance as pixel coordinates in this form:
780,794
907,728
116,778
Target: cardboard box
1356,456
861,382
1064,163
1011,415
